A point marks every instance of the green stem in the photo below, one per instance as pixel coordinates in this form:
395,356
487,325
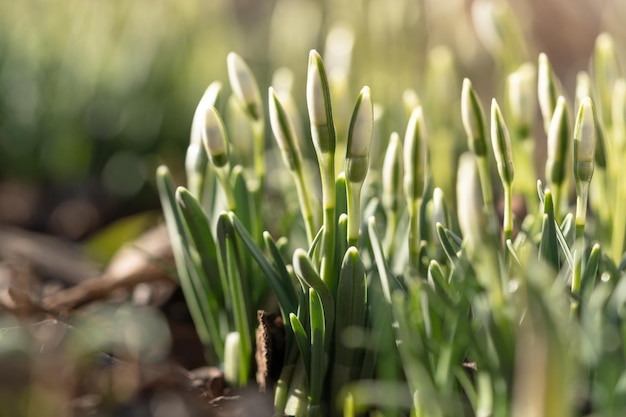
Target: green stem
305,205
507,226
414,233
353,191
581,219
348,405
240,311
390,233
485,181
526,182
619,219
603,202
485,184
281,391
557,192
224,178
258,131
327,171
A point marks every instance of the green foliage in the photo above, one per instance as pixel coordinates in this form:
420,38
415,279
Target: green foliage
448,314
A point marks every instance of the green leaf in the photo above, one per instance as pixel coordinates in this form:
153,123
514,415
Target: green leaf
447,245
302,340
342,240
281,284
191,284
307,274
351,312
279,262
233,265
514,257
243,198
411,351
588,279
315,248
564,233
568,230
472,115
440,283
341,202
318,346
501,143
319,106
548,247
563,241
202,237
388,281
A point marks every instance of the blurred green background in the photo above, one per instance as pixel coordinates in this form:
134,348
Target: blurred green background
95,94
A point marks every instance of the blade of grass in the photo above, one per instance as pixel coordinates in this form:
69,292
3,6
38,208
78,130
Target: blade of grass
306,273
231,259
202,237
350,313
280,283
208,331
318,351
387,280
447,245
302,340
548,246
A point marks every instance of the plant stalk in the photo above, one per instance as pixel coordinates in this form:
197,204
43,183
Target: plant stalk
581,219
305,205
353,191
327,171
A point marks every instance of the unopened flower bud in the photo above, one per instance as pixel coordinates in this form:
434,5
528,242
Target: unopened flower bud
196,158
583,87
606,72
548,90
585,137
244,86
315,97
319,107
214,138
439,210
470,201
472,116
619,113
360,137
393,172
558,144
501,143
415,158
284,132
522,96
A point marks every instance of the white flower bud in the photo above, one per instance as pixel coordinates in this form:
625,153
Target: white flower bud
393,172
415,149
585,132
522,96
316,102
501,143
214,138
548,89
361,128
284,132
470,201
558,141
244,85
585,137
472,117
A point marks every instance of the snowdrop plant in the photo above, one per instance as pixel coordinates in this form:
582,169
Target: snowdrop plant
400,302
